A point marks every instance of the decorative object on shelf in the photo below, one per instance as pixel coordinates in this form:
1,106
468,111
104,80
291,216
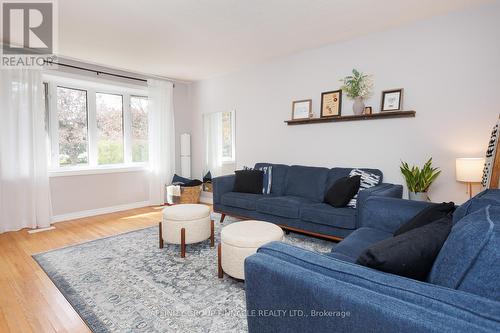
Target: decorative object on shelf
331,103
368,110
392,100
469,170
358,86
302,109
419,180
491,172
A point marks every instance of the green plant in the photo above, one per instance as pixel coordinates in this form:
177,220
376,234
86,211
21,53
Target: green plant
419,180
357,85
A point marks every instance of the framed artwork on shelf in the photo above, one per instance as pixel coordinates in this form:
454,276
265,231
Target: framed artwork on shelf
368,110
392,100
331,103
302,109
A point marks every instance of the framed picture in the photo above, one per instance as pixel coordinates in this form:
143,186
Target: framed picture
331,103
301,109
392,100
368,110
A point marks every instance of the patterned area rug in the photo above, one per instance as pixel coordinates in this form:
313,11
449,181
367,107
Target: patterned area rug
125,283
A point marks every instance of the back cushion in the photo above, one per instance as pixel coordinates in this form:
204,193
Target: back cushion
307,182
470,258
483,199
335,174
278,177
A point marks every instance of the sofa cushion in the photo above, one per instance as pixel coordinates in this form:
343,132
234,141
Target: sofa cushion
410,254
470,257
307,182
341,256
286,206
279,177
359,240
481,200
241,200
322,213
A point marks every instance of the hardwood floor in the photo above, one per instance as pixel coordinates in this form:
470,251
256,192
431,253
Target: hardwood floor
29,301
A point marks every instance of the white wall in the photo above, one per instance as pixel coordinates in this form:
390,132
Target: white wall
449,67
72,195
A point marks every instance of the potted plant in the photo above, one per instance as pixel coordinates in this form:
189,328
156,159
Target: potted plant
419,180
357,86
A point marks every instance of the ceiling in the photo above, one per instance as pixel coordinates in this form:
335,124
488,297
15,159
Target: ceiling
197,39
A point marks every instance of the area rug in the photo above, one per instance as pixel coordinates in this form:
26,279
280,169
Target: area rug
125,283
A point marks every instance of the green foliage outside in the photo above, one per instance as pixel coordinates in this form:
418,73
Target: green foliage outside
110,152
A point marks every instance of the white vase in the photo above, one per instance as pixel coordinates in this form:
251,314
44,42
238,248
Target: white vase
418,196
359,106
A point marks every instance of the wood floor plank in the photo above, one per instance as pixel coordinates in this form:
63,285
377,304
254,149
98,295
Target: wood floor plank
29,301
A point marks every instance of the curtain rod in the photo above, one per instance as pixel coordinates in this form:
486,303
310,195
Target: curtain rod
96,71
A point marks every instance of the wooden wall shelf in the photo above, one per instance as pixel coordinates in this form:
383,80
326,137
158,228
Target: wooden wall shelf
381,115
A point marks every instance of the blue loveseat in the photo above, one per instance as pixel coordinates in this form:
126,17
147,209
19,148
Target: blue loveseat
289,289
296,200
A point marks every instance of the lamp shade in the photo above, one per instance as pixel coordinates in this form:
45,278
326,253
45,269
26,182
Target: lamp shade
469,170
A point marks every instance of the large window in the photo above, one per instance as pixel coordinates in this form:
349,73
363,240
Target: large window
227,136
95,125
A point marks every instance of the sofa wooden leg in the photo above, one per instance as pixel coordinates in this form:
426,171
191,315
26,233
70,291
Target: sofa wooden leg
212,233
183,243
222,217
220,273
160,235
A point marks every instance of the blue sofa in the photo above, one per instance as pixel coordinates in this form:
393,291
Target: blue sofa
296,200
289,289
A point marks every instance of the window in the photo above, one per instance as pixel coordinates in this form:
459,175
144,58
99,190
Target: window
73,126
109,117
93,125
139,114
228,136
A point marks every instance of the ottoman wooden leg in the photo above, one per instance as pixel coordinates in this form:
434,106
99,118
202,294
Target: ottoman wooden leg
160,235
183,243
219,261
222,217
212,233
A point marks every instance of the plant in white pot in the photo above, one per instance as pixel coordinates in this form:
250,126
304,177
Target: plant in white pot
358,86
419,180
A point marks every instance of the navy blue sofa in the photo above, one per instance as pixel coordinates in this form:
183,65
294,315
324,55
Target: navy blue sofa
289,289
296,200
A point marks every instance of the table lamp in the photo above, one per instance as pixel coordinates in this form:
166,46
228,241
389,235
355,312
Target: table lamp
469,170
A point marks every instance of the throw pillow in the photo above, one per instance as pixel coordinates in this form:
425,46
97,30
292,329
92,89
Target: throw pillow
342,191
248,181
426,216
367,180
268,178
411,254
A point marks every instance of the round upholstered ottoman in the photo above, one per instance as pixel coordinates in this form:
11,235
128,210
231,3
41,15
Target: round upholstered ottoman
186,224
240,240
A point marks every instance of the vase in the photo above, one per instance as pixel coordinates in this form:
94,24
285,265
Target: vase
419,196
359,106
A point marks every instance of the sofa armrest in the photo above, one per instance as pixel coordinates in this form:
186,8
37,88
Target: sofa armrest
221,185
388,213
381,190
289,289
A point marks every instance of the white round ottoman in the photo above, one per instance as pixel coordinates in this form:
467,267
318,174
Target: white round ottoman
240,240
186,224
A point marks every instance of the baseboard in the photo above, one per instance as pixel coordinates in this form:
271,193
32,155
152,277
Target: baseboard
207,198
98,211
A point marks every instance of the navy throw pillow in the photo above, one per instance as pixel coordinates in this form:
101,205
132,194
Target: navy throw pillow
342,191
248,181
426,216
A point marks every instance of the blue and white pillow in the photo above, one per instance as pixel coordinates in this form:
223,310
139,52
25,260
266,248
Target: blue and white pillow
268,178
367,180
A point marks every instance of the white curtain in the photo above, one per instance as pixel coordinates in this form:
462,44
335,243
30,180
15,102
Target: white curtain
212,132
161,138
24,182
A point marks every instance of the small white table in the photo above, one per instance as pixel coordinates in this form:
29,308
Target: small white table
240,240
186,224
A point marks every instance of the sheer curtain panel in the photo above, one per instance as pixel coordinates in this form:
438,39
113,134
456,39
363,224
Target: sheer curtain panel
161,138
24,181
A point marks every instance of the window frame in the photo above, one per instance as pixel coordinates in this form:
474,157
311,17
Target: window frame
91,87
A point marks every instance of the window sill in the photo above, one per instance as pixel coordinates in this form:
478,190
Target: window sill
78,171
